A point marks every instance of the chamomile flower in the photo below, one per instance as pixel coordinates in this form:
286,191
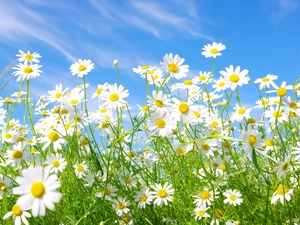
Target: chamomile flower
203,78
142,110
162,194
100,90
235,77
4,184
159,103
233,197
81,169
205,197
275,115
183,149
161,124
213,50
143,198
18,215
82,67
283,193
28,57
142,69
183,111
282,90
283,166
38,190
26,72
57,93
56,163
15,156
208,147
220,84
74,97
240,113
252,140
9,136
266,81
54,138
201,212
121,206
108,192
115,96
173,65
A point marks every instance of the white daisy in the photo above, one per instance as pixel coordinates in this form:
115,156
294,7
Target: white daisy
283,193
4,184
173,65
108,192
57,93
81,169
100,90
183,111
160,102
283,166
18,215
233,197
240,113
15,156
162,194
143,198
213,50
74,97
56,163
28,57
252,140
235,77
205,197
201,212
82,67
266,81
115,96
38,190
121,205
161,124
26,72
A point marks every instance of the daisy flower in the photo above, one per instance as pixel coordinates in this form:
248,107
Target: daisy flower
159,103
252,140
266,81
162,194
4,183
99,91
141,70
109,192
283,193
213,50
121,205
275,116
142,110
16,155
184,149
282,90
262,103
143,198
81,169
240,113
54,138
57,93
115,96
38,190
233,197
82,67
220,84
173,65
161,124
283,166
200,212
205,197
28,57
9,136
203,78
235,77
56,163
26,72
18,215
208,147
74,97
183,111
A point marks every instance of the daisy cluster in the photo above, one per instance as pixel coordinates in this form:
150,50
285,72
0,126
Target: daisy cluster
191,154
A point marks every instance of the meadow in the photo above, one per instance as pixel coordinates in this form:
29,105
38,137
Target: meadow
193,154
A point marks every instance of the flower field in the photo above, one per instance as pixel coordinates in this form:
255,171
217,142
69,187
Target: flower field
194,153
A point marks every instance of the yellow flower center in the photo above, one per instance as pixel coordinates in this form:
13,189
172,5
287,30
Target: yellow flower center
84,141
38,189
269,142
223,167
53,136
144,108
80,168
17,154
121,205
16,210
234,78
293,114
162,193
251,120
197,114
107,191
214,124
2,186
114,97
73,101
155,77
202,77
221,84
28,56
180,151
158,103
264,102
183,107
56,163
284,166
205,147
131,154
277,114
58,95
215,165
105,125
226,144
128,180
63,111
27,69
232,198
252,140
160,123
282,189
214,51
143,198
201,213
8,135
281,92
188,82
205,195
126,219
82,68
145,67
265,79
173,68
99,91
293,105
241,111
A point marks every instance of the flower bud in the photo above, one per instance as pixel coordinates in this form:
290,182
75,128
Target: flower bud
116,62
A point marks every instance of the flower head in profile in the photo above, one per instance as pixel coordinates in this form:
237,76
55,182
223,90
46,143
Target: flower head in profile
283,193
26,72
82,67
213,50
28,57
173,65
38,190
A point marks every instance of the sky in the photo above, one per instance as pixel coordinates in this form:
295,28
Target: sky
260,35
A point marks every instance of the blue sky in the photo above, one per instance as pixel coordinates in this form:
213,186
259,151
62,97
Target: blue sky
260,35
